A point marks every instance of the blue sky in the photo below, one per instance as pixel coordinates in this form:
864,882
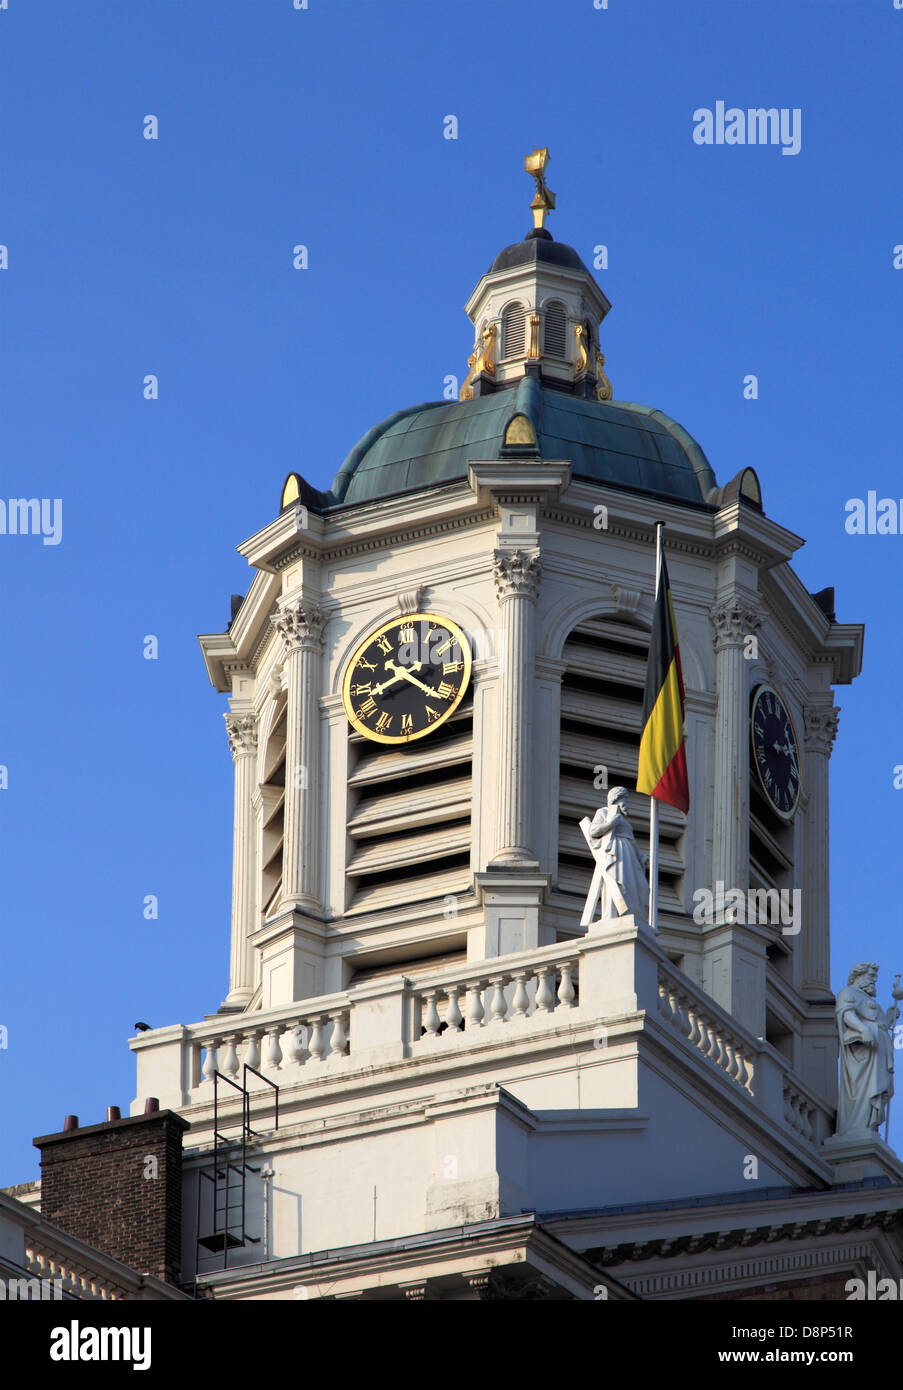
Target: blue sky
324,126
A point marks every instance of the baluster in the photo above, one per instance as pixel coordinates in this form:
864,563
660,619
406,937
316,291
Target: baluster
498,1008
544,996
430,1015
339,1039
474,1005
229,1063
664,1004
296,1042
210,1059
684,1015
453,1013
192,1056
729,1058
318,1038
252,1049
521,1001
566,991
273,1052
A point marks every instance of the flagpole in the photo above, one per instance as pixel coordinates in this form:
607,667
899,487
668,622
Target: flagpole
653,801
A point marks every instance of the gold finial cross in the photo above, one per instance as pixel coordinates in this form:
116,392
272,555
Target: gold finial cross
544,202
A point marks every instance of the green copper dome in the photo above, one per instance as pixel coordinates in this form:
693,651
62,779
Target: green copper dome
621,444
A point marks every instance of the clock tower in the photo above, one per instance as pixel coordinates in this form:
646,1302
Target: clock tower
436,673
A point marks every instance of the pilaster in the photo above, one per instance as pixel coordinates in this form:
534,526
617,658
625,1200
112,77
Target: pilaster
517,575
241,729
300,624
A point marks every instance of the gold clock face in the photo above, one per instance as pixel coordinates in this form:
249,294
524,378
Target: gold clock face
407,678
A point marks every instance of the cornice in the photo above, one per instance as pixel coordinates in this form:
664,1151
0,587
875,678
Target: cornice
367,544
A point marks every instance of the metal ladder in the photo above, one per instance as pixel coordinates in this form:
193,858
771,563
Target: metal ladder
228,1175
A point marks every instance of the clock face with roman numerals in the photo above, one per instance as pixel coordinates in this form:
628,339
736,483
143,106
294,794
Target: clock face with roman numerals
775,751
407,678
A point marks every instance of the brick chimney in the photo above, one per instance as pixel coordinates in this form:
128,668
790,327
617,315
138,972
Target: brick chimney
118,1186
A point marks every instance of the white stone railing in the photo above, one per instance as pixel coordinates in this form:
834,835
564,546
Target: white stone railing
58,1265
756,1068
490,995
706,1028
289,1040
42,1261
621,973
804,1114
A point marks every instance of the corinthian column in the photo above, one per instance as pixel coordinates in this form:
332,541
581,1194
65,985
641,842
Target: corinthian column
517,575
820,732
300,625
242,733
734,620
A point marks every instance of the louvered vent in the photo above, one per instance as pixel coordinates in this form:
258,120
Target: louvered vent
272,794
409,816
770,844
601,724
513,325
554,343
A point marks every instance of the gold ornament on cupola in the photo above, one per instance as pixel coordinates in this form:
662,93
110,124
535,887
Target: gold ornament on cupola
537,311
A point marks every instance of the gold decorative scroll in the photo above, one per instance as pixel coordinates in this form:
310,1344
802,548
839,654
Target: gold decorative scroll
603,385
482,360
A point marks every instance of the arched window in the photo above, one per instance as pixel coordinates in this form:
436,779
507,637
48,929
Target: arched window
513,326
554,342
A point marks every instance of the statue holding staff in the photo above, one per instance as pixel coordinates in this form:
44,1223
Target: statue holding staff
866,1051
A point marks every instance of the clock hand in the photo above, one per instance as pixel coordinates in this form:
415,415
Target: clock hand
404,674
393,680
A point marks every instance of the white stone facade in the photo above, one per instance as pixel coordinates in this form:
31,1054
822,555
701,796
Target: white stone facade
594,1070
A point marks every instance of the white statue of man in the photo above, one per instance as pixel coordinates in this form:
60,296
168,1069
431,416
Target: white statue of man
866,1051
619,883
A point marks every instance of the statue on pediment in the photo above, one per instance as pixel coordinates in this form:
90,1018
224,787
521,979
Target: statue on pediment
866,1051
619,885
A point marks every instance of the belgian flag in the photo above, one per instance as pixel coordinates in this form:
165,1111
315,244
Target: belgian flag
663,760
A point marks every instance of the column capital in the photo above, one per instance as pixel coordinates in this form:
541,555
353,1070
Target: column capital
734,619
300,624
517,574
241,731
821,727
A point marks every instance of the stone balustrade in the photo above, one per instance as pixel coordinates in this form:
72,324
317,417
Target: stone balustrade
75,1280
706,1027
49,1264
804,1114
290,1041
575,985
485,997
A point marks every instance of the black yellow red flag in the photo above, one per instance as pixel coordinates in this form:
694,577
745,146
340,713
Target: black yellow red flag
663,760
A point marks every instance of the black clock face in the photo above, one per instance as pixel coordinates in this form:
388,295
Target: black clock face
407,678
775,751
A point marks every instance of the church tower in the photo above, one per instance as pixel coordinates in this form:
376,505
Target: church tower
437,671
